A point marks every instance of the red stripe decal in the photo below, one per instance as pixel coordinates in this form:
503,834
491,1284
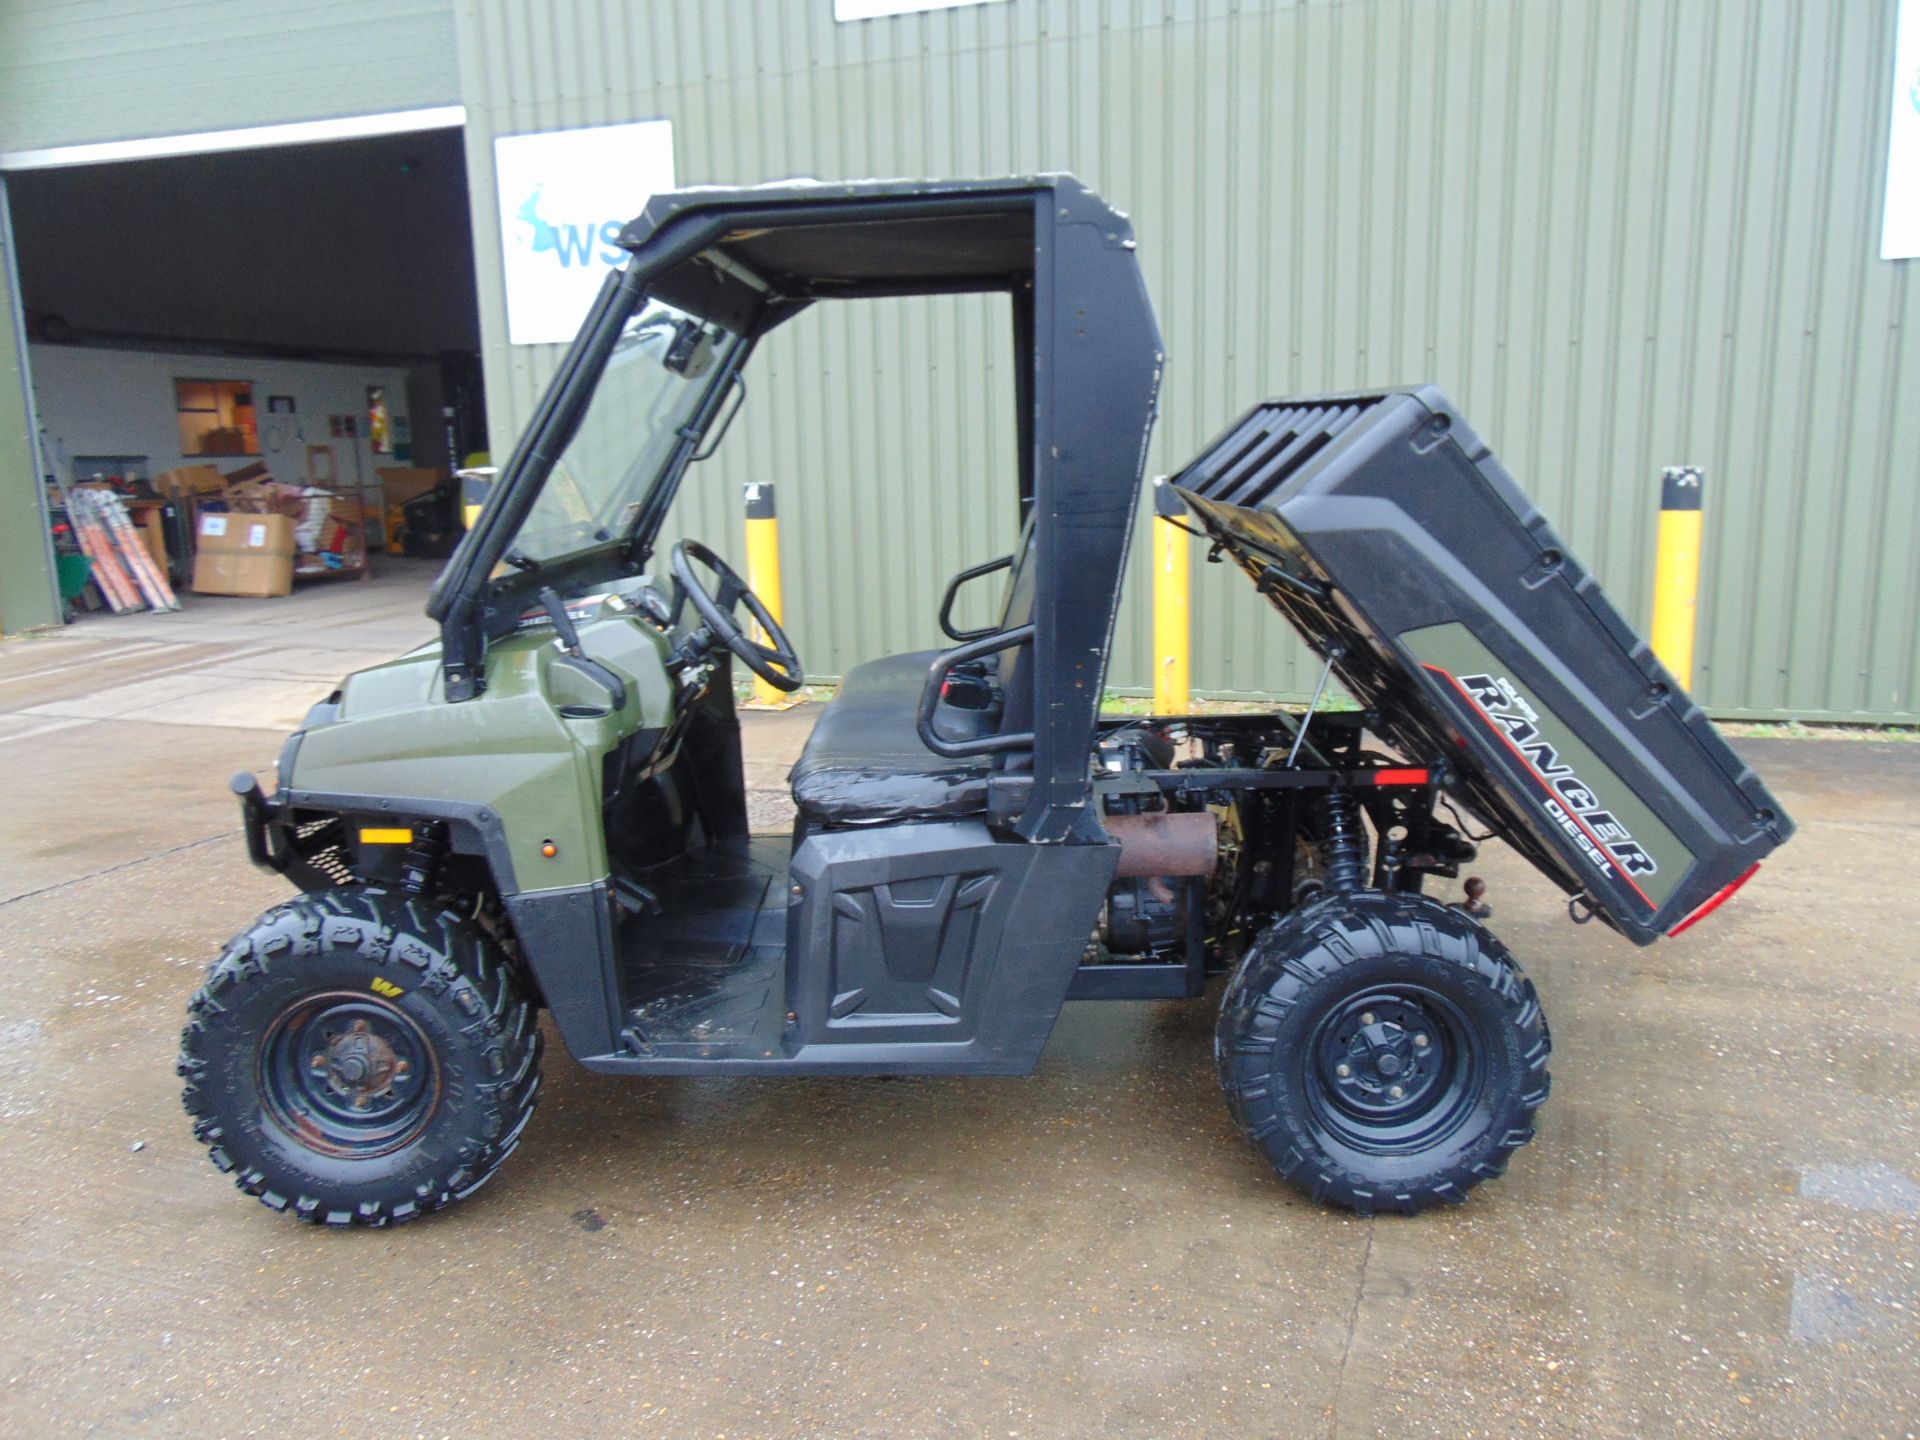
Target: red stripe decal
1534,770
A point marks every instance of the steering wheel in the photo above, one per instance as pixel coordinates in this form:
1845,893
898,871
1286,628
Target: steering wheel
774,663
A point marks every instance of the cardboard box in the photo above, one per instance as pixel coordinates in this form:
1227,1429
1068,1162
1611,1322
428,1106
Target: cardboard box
189,481
247,474
239,554
252,487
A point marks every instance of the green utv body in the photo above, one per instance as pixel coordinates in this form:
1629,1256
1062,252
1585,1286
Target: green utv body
547,809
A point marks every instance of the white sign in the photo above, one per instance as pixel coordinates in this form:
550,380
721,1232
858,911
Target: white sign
874,9
565,196
1900,234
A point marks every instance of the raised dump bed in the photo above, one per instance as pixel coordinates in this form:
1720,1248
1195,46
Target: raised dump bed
1385,529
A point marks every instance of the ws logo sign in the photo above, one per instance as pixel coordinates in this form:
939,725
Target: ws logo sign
565,196
571,244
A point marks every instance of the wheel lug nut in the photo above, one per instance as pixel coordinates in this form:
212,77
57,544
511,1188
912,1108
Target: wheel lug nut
1343,1070
319,1060
1366,1017
1420,1040
1397,1092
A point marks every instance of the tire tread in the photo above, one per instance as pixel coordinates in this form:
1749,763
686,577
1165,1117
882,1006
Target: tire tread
1303,949
448,956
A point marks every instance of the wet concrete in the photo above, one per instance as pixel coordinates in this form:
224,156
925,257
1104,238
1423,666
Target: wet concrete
1714,1234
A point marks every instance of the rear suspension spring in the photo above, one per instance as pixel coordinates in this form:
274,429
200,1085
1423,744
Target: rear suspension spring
1343,840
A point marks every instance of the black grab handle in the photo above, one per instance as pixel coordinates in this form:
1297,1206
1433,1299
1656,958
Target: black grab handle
937,676
953,593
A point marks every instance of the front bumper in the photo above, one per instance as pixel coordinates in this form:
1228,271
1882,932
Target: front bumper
259,822
309,847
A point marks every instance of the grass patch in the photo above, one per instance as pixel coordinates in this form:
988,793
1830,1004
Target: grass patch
1800,730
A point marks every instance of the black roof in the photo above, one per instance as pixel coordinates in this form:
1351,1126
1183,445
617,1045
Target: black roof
801,240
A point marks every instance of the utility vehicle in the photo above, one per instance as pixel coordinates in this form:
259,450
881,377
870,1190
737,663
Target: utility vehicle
546,809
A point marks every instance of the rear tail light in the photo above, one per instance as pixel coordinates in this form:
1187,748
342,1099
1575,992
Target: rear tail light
1715,902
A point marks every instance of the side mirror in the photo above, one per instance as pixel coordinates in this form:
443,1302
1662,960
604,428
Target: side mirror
691,351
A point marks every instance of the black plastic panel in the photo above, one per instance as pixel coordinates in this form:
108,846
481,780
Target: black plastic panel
1388,532
939,937
915,949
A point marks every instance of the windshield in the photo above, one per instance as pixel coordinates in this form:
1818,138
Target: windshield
650,390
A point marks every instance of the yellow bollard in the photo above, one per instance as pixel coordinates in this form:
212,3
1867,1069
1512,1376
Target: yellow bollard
476,479
1676,572
763,576
1172,607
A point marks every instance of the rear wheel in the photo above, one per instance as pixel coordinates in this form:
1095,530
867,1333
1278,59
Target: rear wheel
1383,1051
360,1057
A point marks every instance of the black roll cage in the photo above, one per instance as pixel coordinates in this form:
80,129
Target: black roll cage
1088,355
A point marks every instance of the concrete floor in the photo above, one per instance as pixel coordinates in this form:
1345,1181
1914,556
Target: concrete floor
1714,1234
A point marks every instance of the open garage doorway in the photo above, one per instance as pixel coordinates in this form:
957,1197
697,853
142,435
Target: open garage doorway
238,332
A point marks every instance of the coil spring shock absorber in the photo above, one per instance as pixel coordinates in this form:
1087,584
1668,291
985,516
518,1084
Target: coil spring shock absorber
1343,842
420,868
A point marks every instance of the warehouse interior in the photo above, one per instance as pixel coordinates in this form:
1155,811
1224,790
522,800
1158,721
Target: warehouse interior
306,319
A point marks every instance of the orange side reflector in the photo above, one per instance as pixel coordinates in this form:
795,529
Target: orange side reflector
1402,777
378,836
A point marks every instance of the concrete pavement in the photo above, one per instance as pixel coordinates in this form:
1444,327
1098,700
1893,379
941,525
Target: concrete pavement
1714,1234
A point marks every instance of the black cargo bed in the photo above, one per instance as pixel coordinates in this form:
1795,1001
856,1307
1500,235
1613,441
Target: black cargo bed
1383,527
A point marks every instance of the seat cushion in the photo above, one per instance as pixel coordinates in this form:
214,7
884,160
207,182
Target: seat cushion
864,763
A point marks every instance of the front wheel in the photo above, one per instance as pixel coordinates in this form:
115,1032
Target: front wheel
1383,1051
360,1057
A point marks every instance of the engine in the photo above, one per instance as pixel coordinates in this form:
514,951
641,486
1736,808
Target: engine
1158,898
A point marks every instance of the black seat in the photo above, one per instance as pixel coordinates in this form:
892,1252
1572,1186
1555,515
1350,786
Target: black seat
864,763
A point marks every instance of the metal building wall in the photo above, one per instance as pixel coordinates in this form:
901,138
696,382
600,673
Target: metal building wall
1622,233
28,597
76,72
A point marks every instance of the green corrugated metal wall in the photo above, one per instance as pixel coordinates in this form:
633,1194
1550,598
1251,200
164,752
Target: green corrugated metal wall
28,598
1622,233
75,72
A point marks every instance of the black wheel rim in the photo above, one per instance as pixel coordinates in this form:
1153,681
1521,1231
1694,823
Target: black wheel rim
348,1075
1393,1070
